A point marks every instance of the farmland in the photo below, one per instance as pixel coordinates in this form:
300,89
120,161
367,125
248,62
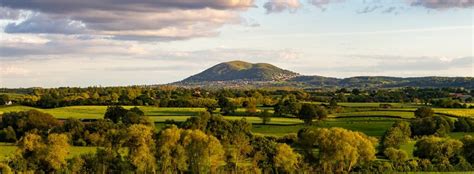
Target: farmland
364,117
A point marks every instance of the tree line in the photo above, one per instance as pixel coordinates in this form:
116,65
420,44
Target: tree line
169,96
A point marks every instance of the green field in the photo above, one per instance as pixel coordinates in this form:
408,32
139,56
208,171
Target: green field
372,105
96,112
378,113
8,149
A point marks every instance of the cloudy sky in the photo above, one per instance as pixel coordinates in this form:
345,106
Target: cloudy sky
52,43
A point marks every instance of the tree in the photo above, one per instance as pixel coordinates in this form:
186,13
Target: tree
250,105
137,111
227,107
115,113
438,150
468,147
461,125
5,169
396,135
333,102
436,125
188,150
395,155
286,159
4,99
57,151
339,149
171,157
36,154
424,112
141,148
322,113
265,116
8,135
75,128
307,113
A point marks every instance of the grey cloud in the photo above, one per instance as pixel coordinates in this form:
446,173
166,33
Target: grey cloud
128,19
277,6
369,9
322,3
389,10
67,6
442,4
43,24
8,13
55,46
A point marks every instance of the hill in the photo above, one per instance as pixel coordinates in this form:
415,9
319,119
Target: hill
243,74
240,70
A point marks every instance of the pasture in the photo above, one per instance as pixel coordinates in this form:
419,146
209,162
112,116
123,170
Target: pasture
7,150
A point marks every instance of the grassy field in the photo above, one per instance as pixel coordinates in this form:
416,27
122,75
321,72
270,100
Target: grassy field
96,112
381,113
377,126
8,149
370,126
456,112
373,105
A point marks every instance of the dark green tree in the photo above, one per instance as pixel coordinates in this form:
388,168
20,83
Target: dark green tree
424,112
307,113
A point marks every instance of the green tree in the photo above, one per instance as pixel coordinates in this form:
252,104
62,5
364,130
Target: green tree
5,169
36,154
396,135
461,125
205,152
170,154
4,99
8,135
322,113
115,113
265,116
468,147
141,148
438,150
339,149
286,159
227,107
57,151
395,155
307,113
424,112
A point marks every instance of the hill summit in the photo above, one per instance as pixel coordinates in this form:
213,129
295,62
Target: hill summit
242,71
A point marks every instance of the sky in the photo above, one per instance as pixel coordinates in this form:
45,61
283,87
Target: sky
80,43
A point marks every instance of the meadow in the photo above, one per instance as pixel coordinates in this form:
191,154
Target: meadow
7,150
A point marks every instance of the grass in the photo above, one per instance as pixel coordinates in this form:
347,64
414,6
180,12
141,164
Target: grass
459,135
96,112
7,150
384,113
409,147
456,112
372,105
369,126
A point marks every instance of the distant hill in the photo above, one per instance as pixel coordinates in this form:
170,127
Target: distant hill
244,74
240,70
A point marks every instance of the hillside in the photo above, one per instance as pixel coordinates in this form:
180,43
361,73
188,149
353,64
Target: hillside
239,70
243,74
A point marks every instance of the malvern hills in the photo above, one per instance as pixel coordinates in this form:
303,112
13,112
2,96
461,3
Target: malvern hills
244,74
